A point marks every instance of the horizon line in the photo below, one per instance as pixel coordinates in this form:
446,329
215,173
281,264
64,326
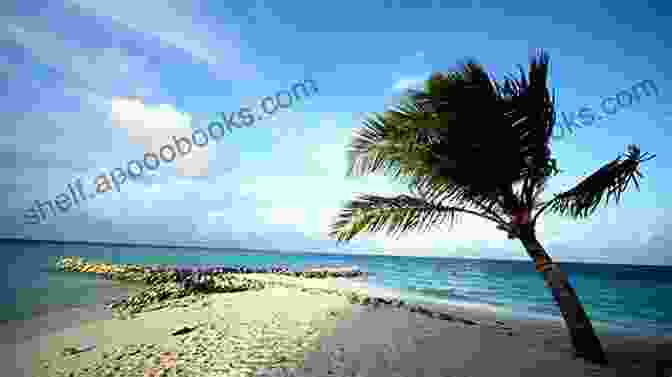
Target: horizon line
201,247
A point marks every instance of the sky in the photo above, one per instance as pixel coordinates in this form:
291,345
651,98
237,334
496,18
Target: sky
89,85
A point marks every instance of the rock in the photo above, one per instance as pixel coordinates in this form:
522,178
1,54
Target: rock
446,317
385,301
184,330
69,351
416,309
397,303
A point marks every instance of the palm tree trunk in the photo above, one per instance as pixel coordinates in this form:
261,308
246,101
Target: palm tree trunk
585,342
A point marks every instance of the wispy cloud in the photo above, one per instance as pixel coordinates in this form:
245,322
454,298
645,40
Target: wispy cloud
83,66
176,24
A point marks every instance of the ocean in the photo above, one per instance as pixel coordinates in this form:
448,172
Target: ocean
620,299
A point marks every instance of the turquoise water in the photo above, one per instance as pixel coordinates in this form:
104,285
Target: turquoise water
618,298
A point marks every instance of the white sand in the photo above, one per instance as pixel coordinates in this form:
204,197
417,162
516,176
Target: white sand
155,327
364,342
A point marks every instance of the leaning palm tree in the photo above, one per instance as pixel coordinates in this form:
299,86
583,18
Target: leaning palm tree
467,144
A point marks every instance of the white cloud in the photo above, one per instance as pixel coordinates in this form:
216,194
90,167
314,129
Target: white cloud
156,126
470,229
410,83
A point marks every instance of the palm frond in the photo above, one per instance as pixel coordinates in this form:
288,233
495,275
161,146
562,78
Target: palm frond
439,189
398,214
610,181
390,143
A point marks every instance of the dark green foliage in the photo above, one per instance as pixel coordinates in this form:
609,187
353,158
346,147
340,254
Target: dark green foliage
610,181
467,144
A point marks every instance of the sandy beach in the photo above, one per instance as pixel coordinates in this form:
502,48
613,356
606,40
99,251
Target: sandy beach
310,327
17,331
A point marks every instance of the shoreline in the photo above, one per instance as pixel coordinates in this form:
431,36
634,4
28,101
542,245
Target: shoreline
341,313
53,319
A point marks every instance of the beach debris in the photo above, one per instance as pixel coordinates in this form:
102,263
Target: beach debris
276,372
70,351
184,330
168,359
396,303
152,372
445,316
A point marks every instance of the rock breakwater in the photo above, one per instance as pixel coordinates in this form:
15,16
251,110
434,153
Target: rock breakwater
159,274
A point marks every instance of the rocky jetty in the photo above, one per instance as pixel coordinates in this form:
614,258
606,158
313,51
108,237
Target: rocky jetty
163,274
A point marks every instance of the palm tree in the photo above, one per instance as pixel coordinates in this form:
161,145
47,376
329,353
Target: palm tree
469,145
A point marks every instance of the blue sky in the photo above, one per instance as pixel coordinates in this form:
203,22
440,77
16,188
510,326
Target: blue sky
278,184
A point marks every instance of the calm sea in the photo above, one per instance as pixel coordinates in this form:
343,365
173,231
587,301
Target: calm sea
619,298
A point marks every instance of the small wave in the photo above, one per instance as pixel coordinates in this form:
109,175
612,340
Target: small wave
446,293
469,305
